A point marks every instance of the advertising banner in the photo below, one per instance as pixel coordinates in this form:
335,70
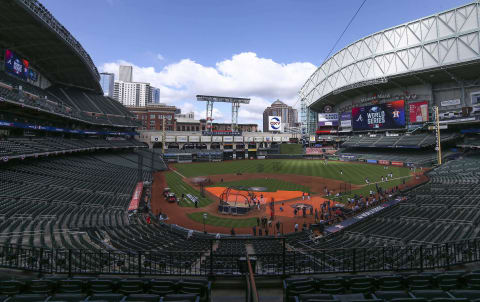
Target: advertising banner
285,139
332,123
312,138
397,163
346,124
267,139
384,162
228,139
345,116
206,139
169,139
327,117
418,112
249,139
182,139
258,139
194,139
371,161
238,139
450,102
277,139
274,123
217,139
389,115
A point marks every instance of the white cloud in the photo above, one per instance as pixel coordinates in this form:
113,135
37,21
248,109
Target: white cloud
244,75
160,57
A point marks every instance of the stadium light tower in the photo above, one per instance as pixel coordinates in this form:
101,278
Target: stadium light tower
222,99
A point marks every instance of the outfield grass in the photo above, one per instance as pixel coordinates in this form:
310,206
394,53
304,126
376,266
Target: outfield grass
354,173
271,184
366,189
223,222
178,186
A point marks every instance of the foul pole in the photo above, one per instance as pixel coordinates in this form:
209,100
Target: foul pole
438,146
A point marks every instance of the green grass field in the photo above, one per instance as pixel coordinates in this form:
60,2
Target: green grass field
178,186
270,184
223,222
366,189
354,173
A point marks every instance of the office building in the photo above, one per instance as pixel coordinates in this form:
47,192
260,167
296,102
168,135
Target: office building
132,94
107,81
125,74
288,115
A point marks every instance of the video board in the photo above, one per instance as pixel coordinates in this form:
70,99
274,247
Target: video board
389,115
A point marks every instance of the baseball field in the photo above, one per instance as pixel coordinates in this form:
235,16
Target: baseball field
283,180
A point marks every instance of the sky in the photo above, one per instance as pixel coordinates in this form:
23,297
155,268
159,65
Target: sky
261,49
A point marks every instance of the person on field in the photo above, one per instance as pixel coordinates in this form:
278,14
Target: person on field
254,231
296,227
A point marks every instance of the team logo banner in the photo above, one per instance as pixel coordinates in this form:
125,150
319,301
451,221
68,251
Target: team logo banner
274,123
390,115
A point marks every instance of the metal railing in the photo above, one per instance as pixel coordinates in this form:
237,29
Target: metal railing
280,262
252,293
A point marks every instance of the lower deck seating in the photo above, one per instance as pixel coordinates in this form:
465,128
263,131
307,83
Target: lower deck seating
79,289
448,286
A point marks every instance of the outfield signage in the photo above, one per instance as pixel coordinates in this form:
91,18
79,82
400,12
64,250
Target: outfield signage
228,139
258,139
372,161
169,139
217,139
285,139
274,123
194,139
397,163
206,139
221,133
182,139
327,117
418,112
277,139
453,102
384,162
238,139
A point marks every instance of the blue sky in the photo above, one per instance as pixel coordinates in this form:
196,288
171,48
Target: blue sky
263,49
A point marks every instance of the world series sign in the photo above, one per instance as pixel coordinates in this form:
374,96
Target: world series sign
274,123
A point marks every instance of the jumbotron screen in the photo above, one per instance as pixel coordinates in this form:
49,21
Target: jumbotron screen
390,115
18,66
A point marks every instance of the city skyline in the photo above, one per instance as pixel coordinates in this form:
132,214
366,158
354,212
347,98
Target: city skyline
205,47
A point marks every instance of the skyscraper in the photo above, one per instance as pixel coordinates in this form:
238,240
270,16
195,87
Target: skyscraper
125,73
107,82
155,95
288,115
132,94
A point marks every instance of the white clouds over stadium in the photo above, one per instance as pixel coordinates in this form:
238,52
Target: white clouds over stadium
244,75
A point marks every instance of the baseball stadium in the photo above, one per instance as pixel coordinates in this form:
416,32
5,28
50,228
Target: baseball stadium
374,198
